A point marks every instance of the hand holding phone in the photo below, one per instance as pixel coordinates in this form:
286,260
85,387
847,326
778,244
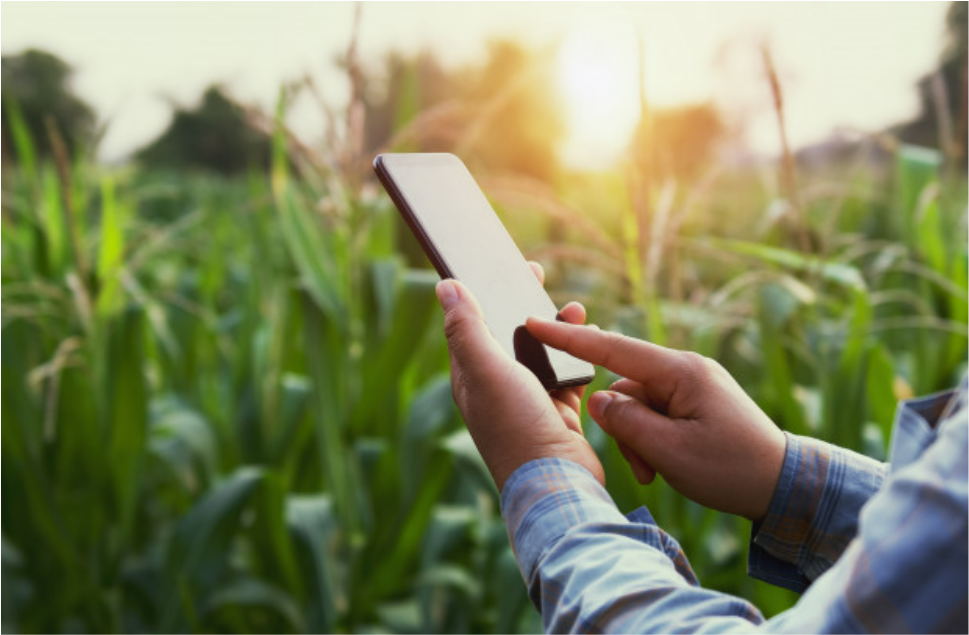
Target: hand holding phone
465,240
511,418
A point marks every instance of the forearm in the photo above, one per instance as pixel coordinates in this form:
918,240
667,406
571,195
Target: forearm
590,569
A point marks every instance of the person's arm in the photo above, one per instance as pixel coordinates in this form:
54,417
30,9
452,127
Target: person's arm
568,535
589,569
905,571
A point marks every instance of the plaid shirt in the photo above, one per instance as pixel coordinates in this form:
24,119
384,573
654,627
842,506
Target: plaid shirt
875,547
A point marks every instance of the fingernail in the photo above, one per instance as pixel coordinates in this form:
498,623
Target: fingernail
598,403
534,319
447,294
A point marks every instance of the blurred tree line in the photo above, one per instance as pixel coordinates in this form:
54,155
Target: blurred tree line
214,135
941,122
502,109
37,87
500,115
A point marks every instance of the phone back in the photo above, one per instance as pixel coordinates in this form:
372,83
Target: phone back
465,240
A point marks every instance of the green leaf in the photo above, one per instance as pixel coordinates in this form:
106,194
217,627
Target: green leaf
17,591
126,410
23,143
328,364
829,270
53,223
404,616
450,526
845,387
294,395
874,442
273,549
111,250
248,593
213,517
461,446
312,255
776,306
930,237
508,578
430,413
183,439
389,357
313,528
196,555
383,282
880,380
916,168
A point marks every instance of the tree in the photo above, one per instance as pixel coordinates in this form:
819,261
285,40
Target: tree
213,136
941,122
37,84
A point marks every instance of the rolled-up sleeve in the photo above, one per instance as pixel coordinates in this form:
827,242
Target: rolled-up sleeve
813,515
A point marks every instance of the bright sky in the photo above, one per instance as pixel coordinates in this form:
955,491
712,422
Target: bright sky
841,64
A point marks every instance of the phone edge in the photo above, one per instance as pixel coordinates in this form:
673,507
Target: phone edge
437,260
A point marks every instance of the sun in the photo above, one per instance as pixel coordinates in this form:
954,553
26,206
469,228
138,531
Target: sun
599,85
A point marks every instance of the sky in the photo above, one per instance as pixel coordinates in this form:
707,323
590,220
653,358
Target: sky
850,65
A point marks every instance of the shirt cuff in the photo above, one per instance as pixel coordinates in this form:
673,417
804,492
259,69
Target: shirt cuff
543,499
813,514
916,423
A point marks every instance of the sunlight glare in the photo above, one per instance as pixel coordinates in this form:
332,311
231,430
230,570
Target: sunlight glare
597,75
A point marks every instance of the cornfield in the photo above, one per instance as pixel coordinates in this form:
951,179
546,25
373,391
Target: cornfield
226,406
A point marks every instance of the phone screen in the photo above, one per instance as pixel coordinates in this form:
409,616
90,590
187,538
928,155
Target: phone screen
465,240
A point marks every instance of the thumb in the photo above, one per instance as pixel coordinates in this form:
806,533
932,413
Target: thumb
467,334
632,424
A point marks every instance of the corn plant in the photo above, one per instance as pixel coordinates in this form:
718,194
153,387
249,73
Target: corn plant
226,408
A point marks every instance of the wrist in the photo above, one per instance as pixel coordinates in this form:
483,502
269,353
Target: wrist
574,451
771,463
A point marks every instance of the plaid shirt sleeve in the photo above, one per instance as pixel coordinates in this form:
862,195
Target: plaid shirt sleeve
813,515
906,569
589,569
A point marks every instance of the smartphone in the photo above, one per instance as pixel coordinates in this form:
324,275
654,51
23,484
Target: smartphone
465,240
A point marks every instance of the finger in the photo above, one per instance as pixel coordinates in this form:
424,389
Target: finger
657,367
573,313
570,417
571,397
538,270
645,473
642,470
638,392
646,432
468,336
631,388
